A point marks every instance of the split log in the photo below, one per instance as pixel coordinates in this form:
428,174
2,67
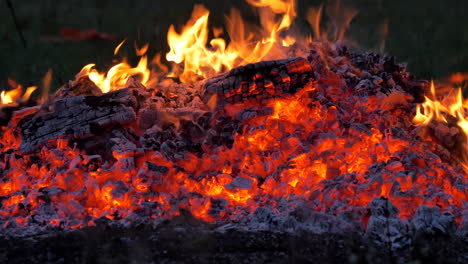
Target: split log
262,80
76,117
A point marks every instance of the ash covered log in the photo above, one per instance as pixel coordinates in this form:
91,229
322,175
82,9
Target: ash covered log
259,81
76,117
82,86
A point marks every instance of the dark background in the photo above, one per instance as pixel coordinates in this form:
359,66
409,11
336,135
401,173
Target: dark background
430,35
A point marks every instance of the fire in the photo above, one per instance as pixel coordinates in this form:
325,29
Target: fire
117,76
452,105
16,94
201,57
433,109
190,46
323,145
10,96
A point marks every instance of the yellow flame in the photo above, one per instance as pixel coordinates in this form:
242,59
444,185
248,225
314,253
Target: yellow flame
452,105
8,97
432,109
141,51
198,56
28,93
190,45
117,49
117,77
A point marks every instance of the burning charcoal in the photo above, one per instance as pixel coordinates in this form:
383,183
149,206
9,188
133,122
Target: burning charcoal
191,130
147,118
390,65
391,83
92,162
217,207
122,144
310,141
168,148
151,174
204,120
119,189
239,183
16,110
385,228
249,81
364,88
254,111
76,117
431,220
48,192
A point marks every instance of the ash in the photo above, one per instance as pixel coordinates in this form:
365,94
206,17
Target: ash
320,143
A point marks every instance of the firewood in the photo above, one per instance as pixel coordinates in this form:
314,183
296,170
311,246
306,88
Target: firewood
82,86
259,81
76,117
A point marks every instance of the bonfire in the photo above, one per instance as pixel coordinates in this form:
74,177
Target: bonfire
269,131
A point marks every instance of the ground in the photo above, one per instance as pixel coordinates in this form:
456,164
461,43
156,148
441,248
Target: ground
183,240
428,34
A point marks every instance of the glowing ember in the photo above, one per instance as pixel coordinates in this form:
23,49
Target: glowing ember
453,106
329,135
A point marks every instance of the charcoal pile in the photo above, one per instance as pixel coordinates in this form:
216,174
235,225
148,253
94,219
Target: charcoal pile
322,144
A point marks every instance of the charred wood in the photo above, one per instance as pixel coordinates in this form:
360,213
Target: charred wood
259,81
76,117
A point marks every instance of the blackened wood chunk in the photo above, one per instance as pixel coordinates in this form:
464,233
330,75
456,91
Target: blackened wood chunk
6,112
9,111
258,81
386,75
83,86
76,117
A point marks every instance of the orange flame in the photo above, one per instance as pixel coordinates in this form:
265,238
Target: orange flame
15,95
452,105
117,76
190,48
305,146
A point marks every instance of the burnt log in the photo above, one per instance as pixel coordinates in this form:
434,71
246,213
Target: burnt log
259,81
83,86
9,110
76,117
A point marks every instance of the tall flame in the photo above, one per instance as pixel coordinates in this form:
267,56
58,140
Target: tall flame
190,46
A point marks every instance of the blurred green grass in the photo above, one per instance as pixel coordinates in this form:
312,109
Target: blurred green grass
431,35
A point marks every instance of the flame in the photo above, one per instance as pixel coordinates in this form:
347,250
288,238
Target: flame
314,16
117,76
302,149
196,56
432,109
16,94
117,49
190,46
453,105
340,17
